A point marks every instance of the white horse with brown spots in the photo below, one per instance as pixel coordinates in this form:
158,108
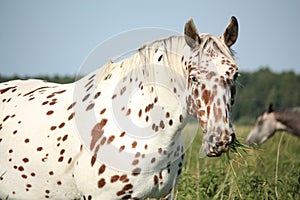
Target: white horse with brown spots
115,134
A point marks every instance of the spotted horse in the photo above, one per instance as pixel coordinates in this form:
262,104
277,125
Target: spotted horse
115,133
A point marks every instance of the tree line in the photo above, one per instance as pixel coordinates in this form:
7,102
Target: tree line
255,90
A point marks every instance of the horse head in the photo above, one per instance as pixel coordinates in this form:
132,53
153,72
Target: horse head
212,72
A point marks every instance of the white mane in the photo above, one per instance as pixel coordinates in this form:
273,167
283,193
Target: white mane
172,49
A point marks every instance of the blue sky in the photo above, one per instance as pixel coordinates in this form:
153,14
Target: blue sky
54,37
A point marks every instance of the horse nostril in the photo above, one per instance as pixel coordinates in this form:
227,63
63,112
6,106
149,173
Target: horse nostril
221,143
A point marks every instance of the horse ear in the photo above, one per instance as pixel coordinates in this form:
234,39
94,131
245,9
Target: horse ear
191,34
269,108
230,34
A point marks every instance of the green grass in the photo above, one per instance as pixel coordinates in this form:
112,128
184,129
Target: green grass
271,171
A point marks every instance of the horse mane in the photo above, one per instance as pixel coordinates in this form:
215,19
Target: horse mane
173,45
142,57
290,117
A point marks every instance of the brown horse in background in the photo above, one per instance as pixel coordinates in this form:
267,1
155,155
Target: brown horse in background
275,120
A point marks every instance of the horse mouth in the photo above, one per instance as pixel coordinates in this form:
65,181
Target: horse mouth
221,146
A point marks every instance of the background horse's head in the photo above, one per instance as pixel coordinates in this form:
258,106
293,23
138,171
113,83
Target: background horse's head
271,121
265,127
212,72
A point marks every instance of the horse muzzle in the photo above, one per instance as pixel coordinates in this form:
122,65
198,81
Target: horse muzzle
215,144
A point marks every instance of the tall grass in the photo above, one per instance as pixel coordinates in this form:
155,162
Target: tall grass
271,171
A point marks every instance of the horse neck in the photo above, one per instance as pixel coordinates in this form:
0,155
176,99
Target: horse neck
288,121
153,80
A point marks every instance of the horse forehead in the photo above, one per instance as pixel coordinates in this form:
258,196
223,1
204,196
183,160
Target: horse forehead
214,69
266,116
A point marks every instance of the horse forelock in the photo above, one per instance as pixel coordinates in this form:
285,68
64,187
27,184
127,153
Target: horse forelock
211,41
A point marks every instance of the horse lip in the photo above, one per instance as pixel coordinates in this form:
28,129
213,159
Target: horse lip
214,154
249,142
221,145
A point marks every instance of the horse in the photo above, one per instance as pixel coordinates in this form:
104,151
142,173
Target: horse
115,133
271,121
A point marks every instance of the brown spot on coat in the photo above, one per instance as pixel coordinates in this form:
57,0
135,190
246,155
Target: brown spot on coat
71,106
155,179
97,132
127,187
122,134
5,118
103,140
114,178
124,178
39,148
85,97
89,107
167,114
110,139
71,116
128,111
24,176
60,159
50,112
121,148
97,95
101,183
102,111
153,160
206,96
133,145
31,92
65,138
159,58
162,124
2,91
136,171
135,162
101,169
119,193
61,125
93,160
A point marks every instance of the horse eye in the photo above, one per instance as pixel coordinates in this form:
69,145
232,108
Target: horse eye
236,75
232,100
194,79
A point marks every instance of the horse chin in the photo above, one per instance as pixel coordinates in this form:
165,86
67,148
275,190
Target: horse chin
250,143
213,154
263,140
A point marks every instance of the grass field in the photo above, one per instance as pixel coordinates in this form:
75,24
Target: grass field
271,171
